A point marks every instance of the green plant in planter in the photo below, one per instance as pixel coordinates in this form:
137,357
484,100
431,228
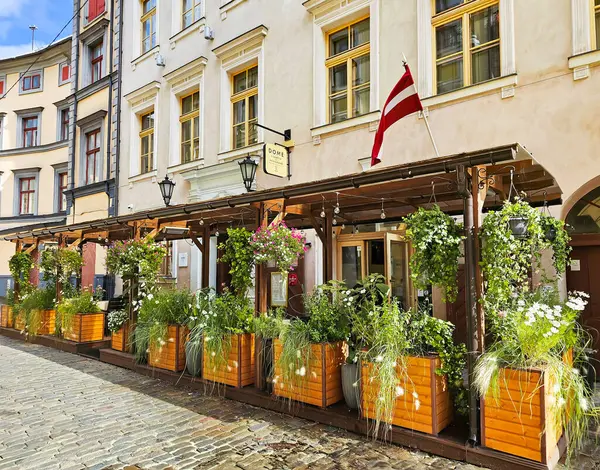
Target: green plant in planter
240,256
279,244
116,320
269,326
32,306
539,329
556,235
157,312
436,238
20,264
69,307
58,265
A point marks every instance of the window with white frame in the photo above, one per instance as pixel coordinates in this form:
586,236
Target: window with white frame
64,73
92,156
96,61
29,127
63,124
2,130
26,191
244,100
31,82
2,85
148,20
190,127
147,142
191,12
61,183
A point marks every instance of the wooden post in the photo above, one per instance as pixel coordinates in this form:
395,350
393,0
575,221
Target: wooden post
17,283
328,264
479,194
206,257
61,245
260,286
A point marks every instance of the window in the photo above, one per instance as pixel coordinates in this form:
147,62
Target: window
26,195
147,143
92,153
148,25
466,59
62,187
192,12
349,71
95,9
30,131
64,73
244,100
2,85
64,124
596,23
190,127
31,82
96,58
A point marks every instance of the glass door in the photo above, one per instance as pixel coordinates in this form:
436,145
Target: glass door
351,262
397,273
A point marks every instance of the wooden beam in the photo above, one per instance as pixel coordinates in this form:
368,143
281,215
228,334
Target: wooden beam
32,248
152,234
317,226
328,252
206,257
196,242
75,244
298,209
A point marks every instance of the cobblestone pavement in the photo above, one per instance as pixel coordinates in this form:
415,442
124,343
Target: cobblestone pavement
62,411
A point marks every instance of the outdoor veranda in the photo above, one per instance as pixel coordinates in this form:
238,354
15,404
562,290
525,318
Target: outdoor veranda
372,205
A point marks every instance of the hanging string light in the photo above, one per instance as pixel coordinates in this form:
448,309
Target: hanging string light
334,221
336,210
323,207
383,216
201,220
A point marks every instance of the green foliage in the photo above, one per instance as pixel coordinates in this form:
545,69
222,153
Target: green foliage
560,243
10,297
535,331
436,238
116,320
279,244
328,308
240,256
296,354
60,264
269,326
68,307
20,264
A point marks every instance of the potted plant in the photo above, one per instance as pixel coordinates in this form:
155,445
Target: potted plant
194,346
6,311
266,329
309,354
118,324
228,341
161,331
239,255
36,311
436,239
20,265
80,318
531,393
278,244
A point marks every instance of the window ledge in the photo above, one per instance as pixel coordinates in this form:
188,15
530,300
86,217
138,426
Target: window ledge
144,176
581,63
145,56
509,81
368,119
87,23
194,27
241,152
186,166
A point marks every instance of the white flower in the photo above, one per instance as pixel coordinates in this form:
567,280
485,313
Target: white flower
213,354
415,395
554,330
363,291
417,405
379,359
583,403
575,371
399,391
150,296
355,384
297,371
302,371
561,402
298,354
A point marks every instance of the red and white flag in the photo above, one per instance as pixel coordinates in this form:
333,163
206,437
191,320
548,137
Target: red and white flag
403,100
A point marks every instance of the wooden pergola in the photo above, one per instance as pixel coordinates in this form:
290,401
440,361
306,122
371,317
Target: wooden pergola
468,183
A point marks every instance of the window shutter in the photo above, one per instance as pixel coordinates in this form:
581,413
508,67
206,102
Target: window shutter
93,9
65,72
100,6
1,87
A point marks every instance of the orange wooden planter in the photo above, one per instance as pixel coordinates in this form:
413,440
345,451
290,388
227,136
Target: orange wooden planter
6,316
18,322
434,411
520,420
120,338
86,327
48,322
322,383
239,369
171,356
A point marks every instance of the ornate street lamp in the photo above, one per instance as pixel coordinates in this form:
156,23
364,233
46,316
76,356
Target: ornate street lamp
166,189
248,169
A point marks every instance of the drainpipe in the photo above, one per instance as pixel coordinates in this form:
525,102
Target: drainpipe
470,300
118,111
75,88
110,89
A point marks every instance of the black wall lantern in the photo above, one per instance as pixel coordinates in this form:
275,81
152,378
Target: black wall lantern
166,189
248,169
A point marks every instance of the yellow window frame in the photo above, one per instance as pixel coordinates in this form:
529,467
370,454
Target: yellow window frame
151,15
146,133
195,113
345,57
195,3
462,12
243,95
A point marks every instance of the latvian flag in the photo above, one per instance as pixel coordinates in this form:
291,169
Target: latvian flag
403,100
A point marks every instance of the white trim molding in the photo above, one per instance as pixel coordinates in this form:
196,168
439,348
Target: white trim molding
371,120
235,55
328,15
251,150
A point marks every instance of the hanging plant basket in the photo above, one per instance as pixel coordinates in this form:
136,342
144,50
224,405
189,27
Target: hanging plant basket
518,226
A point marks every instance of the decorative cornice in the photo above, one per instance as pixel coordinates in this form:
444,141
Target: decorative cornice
97,116
57,218
254,35
93,29
107,187
20,112
147,91
36,149
192,68
94,87
23,170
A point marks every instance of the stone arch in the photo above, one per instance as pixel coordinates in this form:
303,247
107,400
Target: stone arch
577,195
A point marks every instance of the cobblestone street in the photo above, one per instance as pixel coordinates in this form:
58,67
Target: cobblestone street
62,411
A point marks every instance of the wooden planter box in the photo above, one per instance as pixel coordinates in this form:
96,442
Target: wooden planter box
322,382
520,420
239,370
434,412
171,356
120,338
86,327
6,316
18,322
48,322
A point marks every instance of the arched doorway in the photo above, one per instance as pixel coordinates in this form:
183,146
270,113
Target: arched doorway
584,272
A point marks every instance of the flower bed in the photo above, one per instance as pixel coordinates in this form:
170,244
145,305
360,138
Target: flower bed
422,400
85,328
170,353
321,379
237,369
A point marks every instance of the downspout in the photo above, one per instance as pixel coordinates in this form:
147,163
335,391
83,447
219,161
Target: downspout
118,111
110,91
75,101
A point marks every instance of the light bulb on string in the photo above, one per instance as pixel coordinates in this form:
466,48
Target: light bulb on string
343,226
323,208
217,233
337,204
201,221
383,216
334,221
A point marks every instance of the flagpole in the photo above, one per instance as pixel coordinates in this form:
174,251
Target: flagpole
437,152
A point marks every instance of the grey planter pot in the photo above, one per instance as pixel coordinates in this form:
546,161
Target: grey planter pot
349,378
193,359
518,226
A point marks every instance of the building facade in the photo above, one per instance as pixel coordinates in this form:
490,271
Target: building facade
34,140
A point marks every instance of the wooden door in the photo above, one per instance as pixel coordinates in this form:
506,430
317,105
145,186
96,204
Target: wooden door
584,275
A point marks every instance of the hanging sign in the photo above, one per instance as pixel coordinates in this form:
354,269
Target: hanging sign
276,160
293,279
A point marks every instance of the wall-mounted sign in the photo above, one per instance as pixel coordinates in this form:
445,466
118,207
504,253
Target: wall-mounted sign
292,279
279,292
575,265
183,260
276,160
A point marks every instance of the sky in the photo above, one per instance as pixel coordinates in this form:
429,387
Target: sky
17,15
